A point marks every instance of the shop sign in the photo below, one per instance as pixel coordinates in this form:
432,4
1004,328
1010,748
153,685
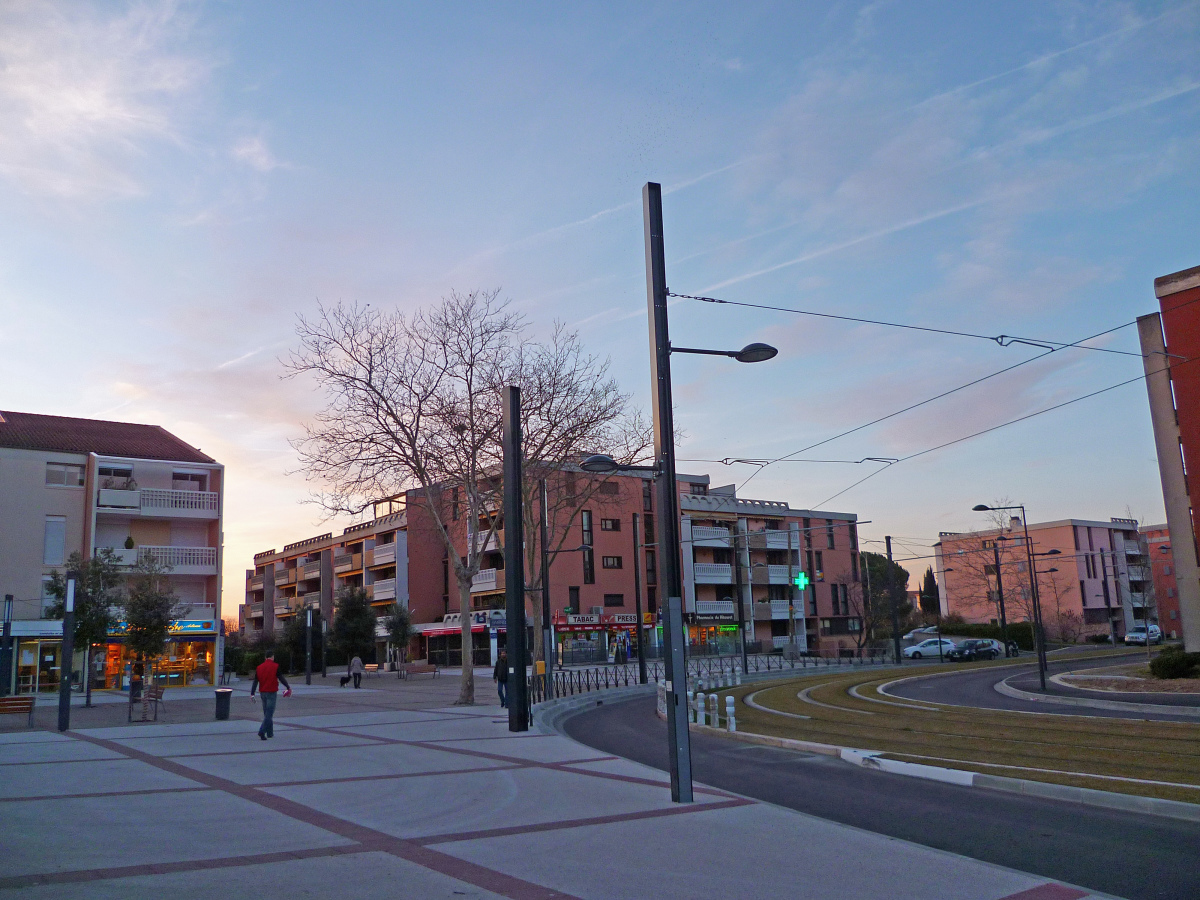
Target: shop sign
588,619
623,618
179,626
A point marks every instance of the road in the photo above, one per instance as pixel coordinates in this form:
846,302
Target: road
974,687
1133,856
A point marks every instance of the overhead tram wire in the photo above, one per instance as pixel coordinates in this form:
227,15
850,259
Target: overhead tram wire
1111,387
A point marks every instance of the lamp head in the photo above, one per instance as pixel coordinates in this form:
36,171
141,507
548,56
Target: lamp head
753,353
599,464
982,507
1054,552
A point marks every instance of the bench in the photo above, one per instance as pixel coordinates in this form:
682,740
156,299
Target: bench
407,669
18,706
154,696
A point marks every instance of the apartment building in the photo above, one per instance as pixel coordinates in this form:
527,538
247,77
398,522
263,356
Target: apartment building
1098,581
399,556
1163,578
83,485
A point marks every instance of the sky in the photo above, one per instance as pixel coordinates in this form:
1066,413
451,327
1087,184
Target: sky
180,180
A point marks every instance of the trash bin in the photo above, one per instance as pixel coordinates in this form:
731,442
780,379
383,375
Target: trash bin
223,696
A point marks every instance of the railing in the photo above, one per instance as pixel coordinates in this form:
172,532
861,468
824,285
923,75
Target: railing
284,576
256,582
157,498
383,555
777,609
714,607
178,557
312,569
708,573
256,608
383,590
484,581
709,533
343,563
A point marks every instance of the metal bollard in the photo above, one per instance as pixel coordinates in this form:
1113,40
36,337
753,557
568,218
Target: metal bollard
737,679
730,715
691,706
714,718
700,707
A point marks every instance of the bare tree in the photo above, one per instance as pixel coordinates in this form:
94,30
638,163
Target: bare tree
414,405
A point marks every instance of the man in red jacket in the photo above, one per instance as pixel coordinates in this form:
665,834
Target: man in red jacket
266,682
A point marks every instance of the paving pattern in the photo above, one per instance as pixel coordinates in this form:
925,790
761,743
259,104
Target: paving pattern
440,802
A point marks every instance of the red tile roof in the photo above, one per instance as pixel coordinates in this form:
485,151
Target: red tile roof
29,431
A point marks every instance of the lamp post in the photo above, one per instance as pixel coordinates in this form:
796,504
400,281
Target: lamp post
941,658
637,602
1000,593
514,565
324,632
308,646
66,658
6,665
1038,632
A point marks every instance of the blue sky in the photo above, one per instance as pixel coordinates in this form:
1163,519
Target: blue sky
178,180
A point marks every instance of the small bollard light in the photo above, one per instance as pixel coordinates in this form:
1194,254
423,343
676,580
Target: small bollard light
730,714
737,679
691,706
713,710
700,708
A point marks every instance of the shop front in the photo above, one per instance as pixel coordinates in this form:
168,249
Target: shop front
581,638
713,636
441,642
189,659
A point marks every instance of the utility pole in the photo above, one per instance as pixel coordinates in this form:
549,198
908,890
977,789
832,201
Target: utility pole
547,626
637,602
66,658
892,600
674,636
791,591
514,566
6,665
324,631
1000,595
308,646
737,580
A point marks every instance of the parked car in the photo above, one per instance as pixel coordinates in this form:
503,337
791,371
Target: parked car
1137,635
928,648
976,648
919,634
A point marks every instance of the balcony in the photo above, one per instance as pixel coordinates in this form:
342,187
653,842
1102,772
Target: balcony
1139,573
485,542
383,591
199,612
382,555
161,503
256,582
713,573
770,574
708,536
776,609
184,560
256,609
312,569
715,609
771,539
484,581
345,562
285,576
282,608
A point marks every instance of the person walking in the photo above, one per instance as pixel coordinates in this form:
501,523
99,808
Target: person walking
500,676
266,681
356,671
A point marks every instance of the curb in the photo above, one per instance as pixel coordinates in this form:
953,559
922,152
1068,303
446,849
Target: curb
1002,687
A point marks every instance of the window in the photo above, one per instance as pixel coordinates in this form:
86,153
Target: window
1083,594
454,504
845,600
829,534
820,573
649,529
854,567
700,489
115,477
807,535
65,474
722,557
608,487
585,520
54,549
589,567
651,599
651,570
614,599
610,524
812,601
850,526
573,594
833,596
189,481
611,562
647,504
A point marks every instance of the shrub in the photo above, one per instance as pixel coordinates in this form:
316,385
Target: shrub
251,660
1173,662
1099,638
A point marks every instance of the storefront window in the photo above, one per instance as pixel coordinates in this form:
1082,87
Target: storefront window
184,663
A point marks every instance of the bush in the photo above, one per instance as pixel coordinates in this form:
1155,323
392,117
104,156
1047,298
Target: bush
1019,632
251,660
1100,638
1173,662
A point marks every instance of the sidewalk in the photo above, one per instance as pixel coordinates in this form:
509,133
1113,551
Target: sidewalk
429,802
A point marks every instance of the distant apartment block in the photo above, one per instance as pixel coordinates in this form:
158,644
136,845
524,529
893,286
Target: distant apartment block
83,485
1166,588
1099,581
399,557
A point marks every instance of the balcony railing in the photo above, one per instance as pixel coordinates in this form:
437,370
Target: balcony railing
184,560
256,609
383,555
484,581
776,609
284,576
707,535
312,569
713,573
256,582
343,563
383,590
714,608
161,502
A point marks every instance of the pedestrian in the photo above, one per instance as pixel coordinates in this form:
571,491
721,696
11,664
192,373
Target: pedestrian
356,670
500,676
266,681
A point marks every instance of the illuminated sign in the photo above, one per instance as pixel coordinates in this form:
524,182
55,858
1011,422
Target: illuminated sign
179,626
801,580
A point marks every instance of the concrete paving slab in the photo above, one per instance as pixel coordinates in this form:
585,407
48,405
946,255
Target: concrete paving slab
31,737
285,739
525,746
102,832
382,717
357,876
436,730
165,729
100,776
756,851
474,801
52,752
309,765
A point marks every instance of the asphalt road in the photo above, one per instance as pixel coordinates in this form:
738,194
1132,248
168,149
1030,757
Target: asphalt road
974,687
1133,856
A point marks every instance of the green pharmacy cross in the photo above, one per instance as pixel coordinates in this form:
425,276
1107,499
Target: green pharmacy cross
801,580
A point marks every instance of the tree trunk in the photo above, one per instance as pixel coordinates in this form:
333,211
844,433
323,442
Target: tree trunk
147,680
466,688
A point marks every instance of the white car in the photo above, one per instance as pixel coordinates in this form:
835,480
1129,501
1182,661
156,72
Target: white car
927,648
1137,635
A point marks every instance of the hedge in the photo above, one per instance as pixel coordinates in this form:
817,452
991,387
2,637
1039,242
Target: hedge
1173,662
1020,632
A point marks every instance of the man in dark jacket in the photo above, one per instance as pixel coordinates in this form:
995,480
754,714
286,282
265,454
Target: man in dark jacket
500,676
266,682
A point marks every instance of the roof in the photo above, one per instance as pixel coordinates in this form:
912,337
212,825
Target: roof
30,431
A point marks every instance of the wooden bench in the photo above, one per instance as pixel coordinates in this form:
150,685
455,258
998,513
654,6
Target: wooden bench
407,669
18,706
154,696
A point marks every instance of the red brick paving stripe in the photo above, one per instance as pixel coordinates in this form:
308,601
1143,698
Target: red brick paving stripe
1048,891
582,823
178,790
195,865
364,837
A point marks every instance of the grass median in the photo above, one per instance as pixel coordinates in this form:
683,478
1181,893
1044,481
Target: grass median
1156,759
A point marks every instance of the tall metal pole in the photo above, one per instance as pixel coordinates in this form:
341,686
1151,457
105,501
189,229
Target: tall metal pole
637,602
892,600
547,627
66,658
324,632
741,607
1038,633
6,665
308,646
514,564
1000,595
674,637
791,590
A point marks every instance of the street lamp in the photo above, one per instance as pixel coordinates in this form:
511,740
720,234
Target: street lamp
6,647
668,505
1039,633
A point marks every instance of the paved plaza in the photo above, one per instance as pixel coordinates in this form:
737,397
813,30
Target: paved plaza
377,793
